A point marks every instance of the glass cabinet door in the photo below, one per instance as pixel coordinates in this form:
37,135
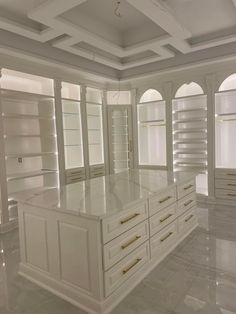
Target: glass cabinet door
120,138
73,143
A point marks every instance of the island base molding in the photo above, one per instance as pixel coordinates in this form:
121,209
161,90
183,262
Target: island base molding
73,295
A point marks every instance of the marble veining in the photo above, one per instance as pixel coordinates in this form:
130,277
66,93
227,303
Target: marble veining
198,277
106,195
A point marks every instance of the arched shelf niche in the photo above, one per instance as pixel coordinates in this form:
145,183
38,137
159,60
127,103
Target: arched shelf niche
151,114
225,124
189,109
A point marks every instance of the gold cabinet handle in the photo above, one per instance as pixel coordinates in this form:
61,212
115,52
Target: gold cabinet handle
190,217
188,187
130,242
98,174
129,218
231,174
231,194
165,199
125,271
166,237
187,203
231,184
165,218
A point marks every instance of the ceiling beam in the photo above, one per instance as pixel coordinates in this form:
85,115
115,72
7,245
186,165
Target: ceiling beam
160,14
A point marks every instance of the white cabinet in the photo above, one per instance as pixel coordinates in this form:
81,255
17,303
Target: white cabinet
190,133
151,114
29,137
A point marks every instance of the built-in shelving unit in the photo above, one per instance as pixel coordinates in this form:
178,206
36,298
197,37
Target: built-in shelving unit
94,110
29,134
151,114
189,110
225,150
119,130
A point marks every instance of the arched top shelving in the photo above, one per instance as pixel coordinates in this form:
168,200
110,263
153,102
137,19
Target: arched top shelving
150,95
229,83
189,89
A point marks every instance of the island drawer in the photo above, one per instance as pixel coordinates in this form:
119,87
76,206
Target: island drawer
229,174
225,184
119,273
121,246
162,241
186,203
226,194
113,226
162,200
186,188
187,221
162,219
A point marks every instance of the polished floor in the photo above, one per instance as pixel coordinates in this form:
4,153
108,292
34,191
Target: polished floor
198,277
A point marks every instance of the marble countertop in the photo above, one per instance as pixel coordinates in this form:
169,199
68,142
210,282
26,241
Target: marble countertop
104,196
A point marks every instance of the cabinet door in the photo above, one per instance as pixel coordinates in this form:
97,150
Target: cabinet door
120,138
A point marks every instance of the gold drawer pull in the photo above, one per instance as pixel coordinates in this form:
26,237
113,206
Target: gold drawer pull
165,199
167,217
187,203
231,194
125,271
188,187
190,217
231,174
231,184
129,218
167,236
130,242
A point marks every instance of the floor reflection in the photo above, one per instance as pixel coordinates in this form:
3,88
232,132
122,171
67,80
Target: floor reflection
198,277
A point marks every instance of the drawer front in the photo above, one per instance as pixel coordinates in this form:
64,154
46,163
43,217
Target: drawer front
225,184
186,188
126,268
120,247
97,174
229,174
116,225
74,179
162,241
187,221
97,168
162,219
162,200
75,172
226,194
186,203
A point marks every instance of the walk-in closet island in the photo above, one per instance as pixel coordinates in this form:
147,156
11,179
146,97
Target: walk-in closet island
98,238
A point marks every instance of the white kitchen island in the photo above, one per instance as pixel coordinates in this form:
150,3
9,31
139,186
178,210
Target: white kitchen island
92,242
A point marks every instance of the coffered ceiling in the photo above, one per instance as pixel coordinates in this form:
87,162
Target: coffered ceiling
146,32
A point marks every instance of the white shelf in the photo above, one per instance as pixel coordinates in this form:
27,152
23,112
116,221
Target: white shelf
190,120
16,95
22,155
7,136
27,116
190,130
31,174
190,110
190,141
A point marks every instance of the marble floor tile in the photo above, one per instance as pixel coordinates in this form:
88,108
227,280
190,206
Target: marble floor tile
199,276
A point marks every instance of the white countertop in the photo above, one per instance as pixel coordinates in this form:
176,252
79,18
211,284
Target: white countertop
104,196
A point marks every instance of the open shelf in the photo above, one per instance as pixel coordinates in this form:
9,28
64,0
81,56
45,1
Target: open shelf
31,174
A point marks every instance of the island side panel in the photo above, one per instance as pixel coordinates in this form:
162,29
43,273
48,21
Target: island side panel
62,251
